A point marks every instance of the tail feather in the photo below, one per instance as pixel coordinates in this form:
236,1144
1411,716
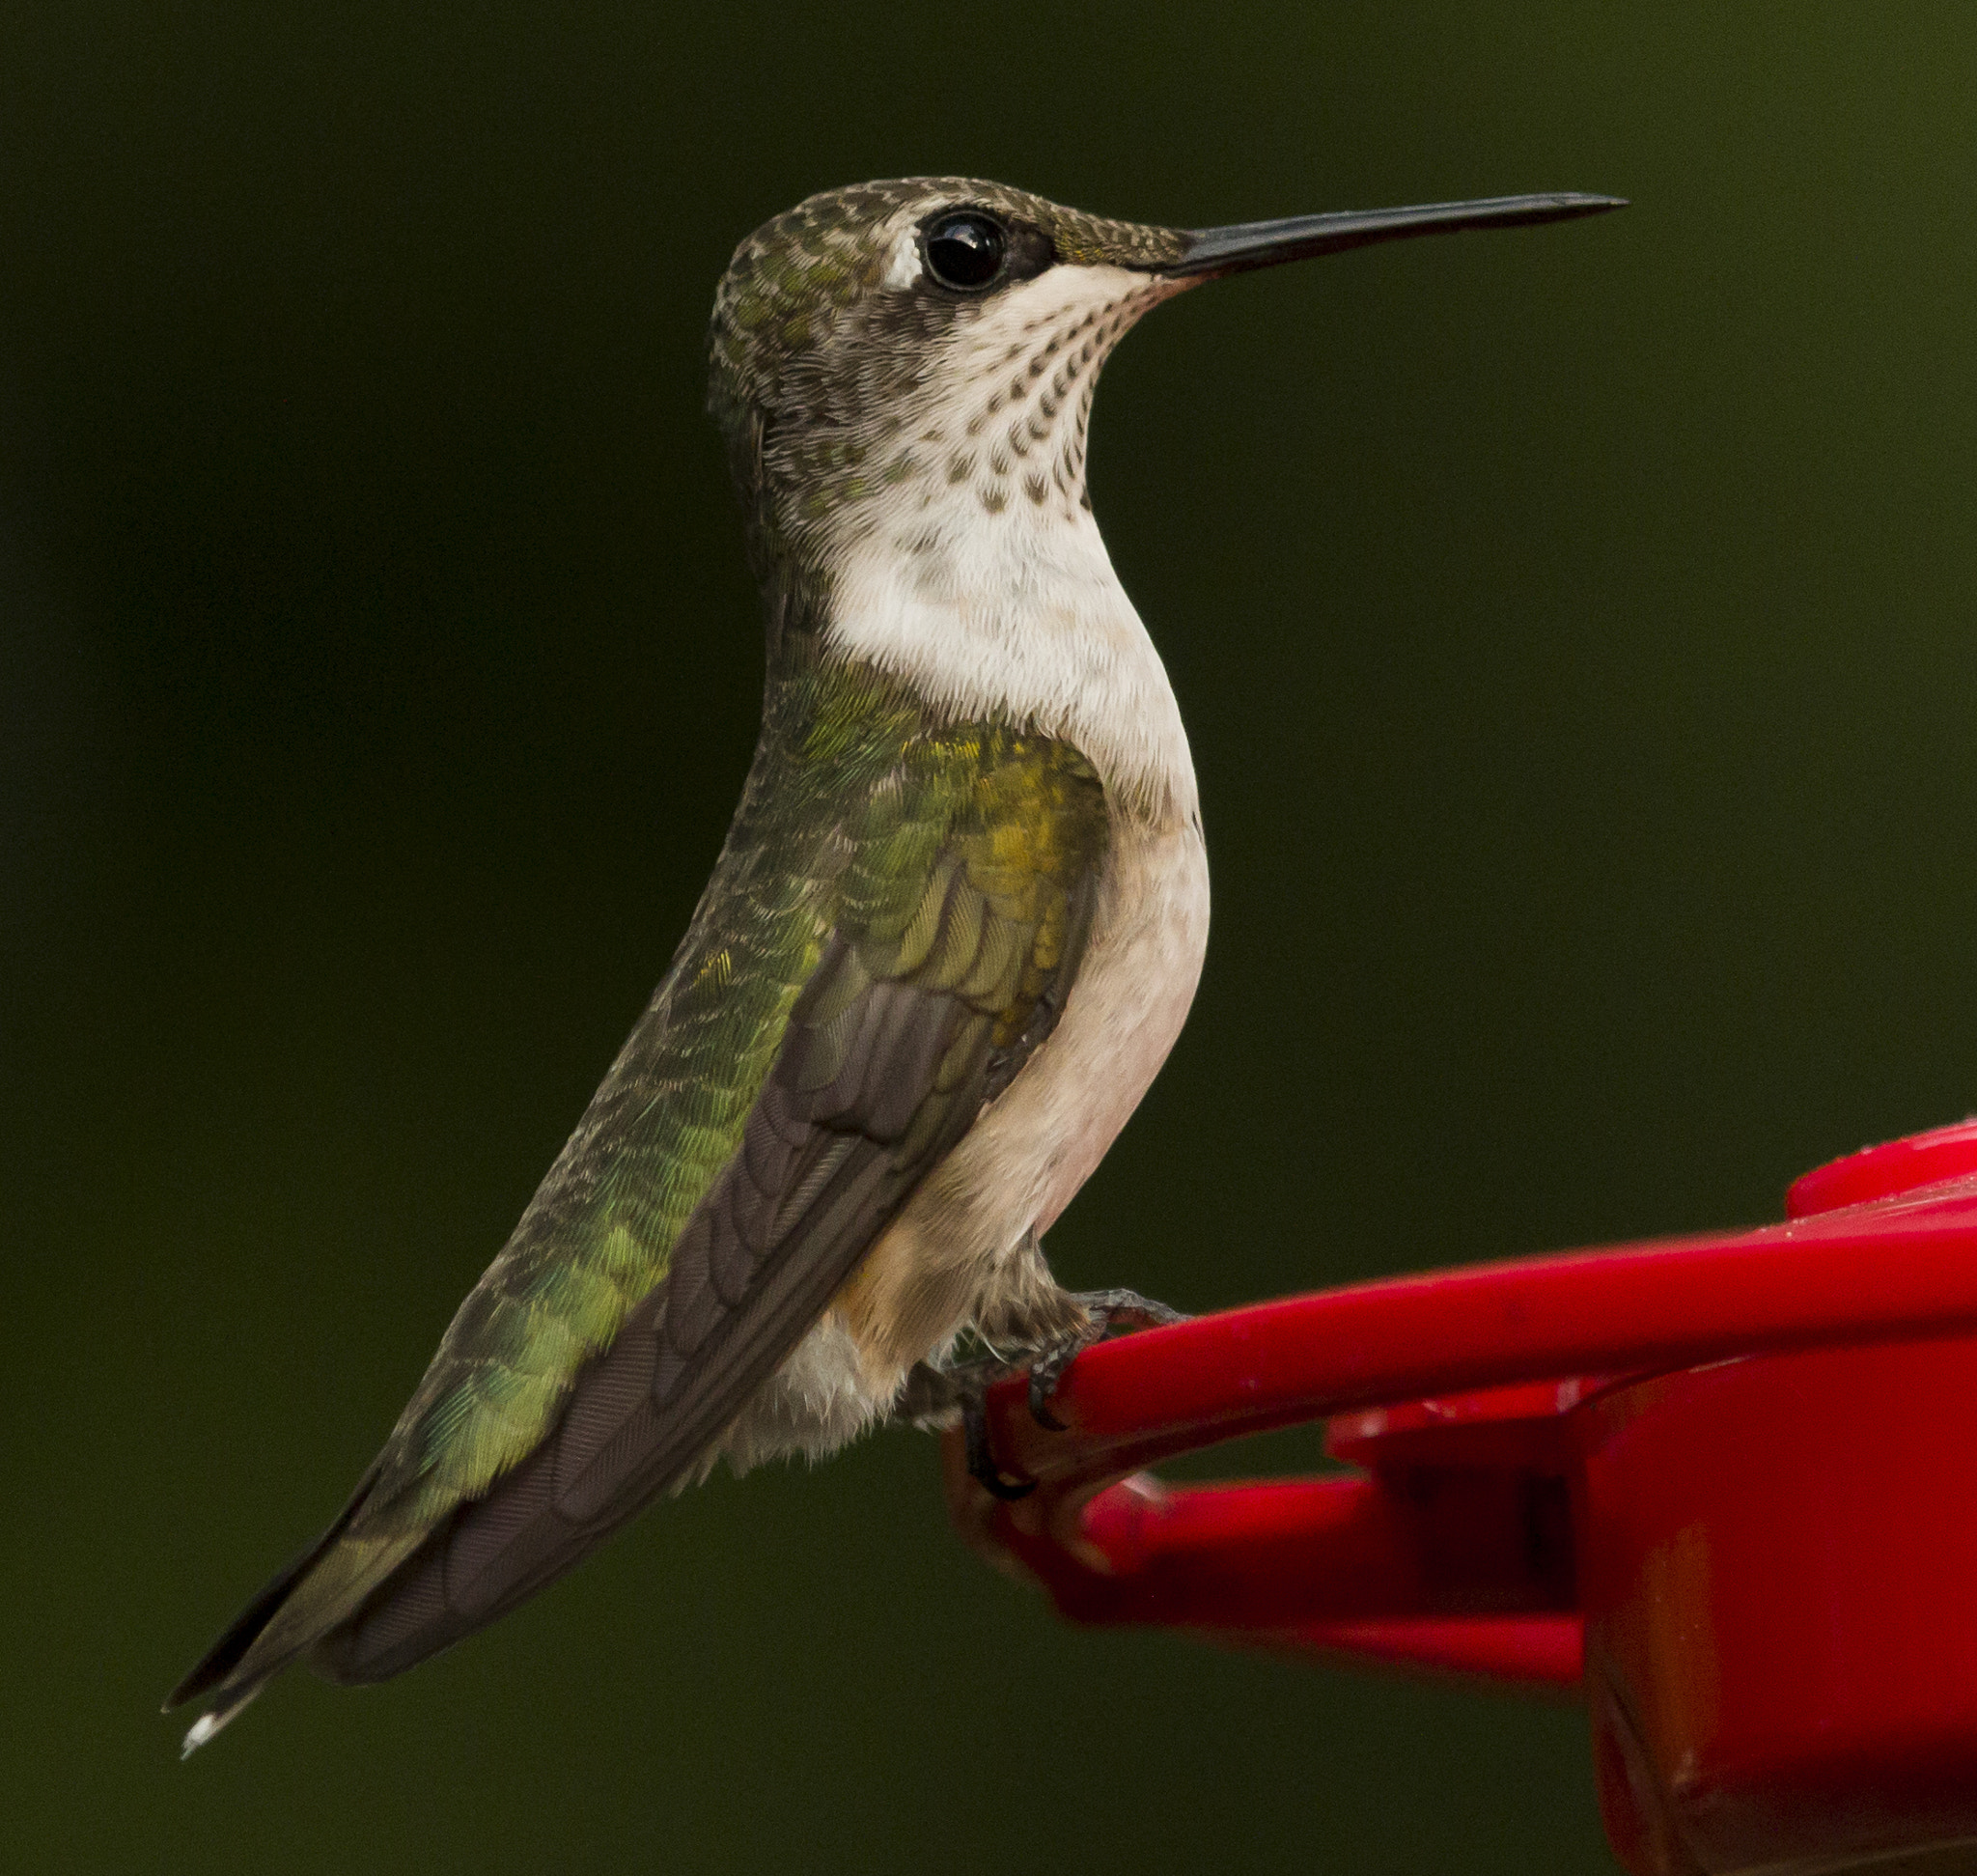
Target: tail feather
217,1716
219,1666
240,1633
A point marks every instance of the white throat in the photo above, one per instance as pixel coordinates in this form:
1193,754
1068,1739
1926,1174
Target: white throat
979,578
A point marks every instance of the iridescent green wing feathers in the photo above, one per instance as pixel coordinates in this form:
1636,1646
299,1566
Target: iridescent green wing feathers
894,924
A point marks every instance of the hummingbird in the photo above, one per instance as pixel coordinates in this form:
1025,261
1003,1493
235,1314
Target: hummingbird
952,933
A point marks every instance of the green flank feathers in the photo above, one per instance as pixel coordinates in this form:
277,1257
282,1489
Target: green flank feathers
875,853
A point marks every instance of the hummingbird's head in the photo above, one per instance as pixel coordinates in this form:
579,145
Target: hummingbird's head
877,346
906,368
899,338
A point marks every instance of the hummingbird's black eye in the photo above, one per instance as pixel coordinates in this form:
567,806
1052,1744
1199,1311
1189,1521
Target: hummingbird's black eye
966,251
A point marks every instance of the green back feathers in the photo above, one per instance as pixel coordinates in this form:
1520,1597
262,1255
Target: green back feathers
858,816
957,862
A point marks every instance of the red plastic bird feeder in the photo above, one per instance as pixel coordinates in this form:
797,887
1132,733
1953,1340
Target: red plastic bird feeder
1722,1484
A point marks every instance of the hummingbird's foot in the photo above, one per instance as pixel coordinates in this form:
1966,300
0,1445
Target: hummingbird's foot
982,1465
936,1398
1108,1310
929,1398
932,1397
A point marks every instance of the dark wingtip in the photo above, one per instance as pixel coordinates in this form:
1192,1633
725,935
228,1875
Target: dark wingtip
231,1649
240,1634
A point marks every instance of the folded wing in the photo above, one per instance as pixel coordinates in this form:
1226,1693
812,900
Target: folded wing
955,897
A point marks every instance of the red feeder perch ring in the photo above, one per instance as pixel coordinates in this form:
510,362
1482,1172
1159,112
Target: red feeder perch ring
1721,1483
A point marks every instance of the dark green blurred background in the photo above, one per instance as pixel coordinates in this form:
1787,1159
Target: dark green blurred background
1574,628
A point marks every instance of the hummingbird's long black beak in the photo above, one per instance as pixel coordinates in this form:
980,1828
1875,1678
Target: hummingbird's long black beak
1265,243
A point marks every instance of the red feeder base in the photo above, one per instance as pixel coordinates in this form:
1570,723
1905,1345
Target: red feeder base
1717,1482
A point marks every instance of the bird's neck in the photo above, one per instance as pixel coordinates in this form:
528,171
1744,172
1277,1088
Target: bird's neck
1016,617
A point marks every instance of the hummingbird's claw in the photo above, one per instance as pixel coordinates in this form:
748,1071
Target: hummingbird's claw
1047,1371
1108,1310
982,1465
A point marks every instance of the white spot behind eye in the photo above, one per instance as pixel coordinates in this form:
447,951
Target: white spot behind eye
902,266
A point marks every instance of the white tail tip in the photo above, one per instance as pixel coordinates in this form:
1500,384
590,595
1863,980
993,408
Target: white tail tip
208,1724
